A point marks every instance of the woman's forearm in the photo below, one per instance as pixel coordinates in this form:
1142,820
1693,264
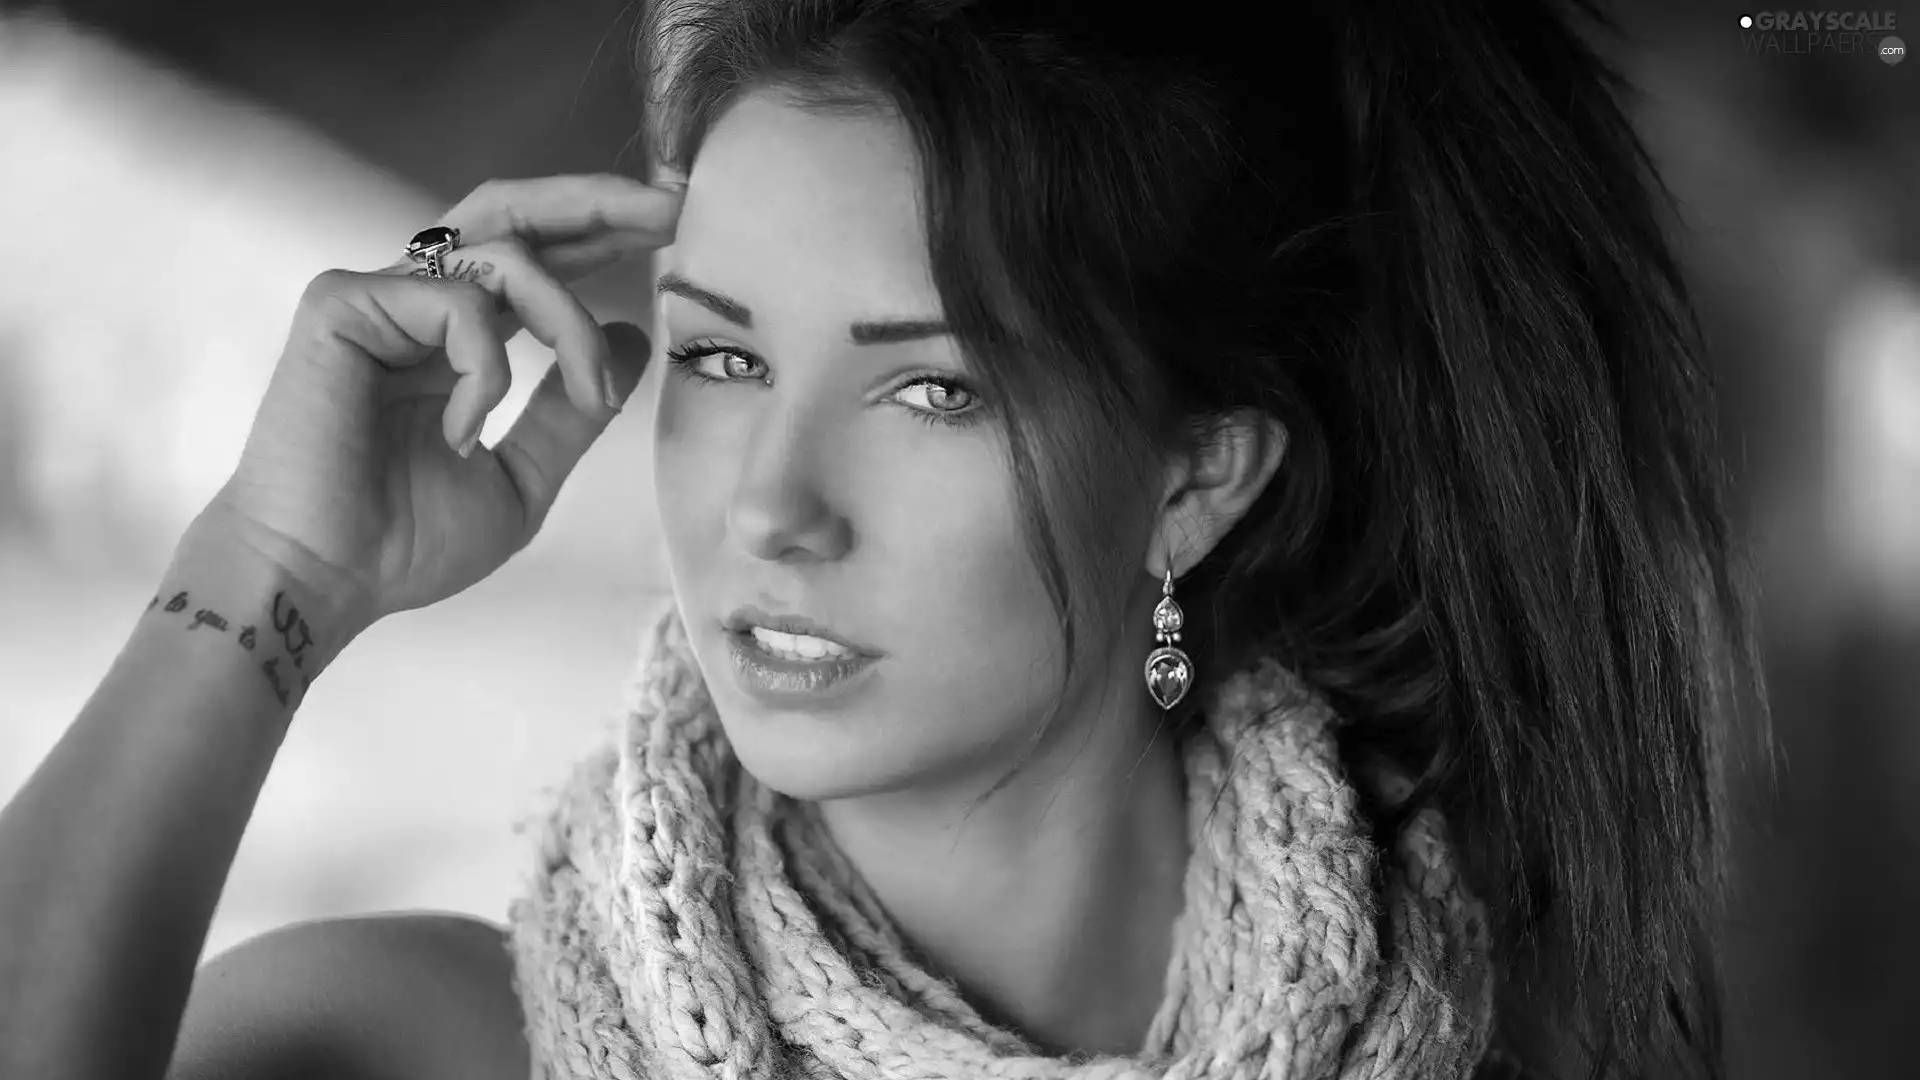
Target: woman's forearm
114,853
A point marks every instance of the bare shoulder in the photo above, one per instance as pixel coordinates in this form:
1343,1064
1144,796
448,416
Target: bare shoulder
416,995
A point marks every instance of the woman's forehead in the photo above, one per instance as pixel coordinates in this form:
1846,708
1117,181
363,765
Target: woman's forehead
790,204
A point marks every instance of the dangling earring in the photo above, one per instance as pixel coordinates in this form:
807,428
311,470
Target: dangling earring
1169,671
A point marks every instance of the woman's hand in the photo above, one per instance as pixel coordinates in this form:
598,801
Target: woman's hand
350,477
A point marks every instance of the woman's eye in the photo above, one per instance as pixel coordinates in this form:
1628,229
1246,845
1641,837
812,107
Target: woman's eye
716,363
936,397
737,366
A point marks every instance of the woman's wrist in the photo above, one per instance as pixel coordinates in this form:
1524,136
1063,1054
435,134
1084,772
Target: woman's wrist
286,622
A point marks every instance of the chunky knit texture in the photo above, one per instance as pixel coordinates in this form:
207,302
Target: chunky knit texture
685,922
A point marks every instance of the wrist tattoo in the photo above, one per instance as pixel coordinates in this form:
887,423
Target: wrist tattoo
287,628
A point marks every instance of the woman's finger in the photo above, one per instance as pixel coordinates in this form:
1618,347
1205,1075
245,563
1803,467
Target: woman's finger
567,260
493,286
534,298
554,209
572,259
484,266
478,354
398,321
549,437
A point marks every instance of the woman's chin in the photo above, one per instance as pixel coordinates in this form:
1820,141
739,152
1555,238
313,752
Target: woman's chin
796,754
848,763
800,771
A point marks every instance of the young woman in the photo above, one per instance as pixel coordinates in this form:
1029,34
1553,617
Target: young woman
1196,553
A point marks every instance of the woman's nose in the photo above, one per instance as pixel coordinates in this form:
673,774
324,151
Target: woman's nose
782,509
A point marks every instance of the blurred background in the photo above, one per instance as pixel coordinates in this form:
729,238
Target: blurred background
172,175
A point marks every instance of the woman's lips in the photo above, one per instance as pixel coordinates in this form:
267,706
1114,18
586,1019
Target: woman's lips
744,619
795,683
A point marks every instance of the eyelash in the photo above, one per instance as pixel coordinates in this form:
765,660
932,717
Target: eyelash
684,357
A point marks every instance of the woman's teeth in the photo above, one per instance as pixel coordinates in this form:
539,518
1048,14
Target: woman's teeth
798,646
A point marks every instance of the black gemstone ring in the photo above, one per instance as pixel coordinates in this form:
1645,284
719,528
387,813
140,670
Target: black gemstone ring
428,245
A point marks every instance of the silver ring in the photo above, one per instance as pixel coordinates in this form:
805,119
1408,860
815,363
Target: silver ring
428,245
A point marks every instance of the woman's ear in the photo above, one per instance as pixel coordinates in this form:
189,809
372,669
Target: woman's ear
1210,488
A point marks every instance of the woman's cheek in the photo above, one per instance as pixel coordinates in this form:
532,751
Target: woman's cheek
691,467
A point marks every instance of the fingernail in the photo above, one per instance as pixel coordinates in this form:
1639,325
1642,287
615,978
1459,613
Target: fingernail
608,392
466,448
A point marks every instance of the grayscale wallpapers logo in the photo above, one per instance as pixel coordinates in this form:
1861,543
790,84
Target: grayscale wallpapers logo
1809,33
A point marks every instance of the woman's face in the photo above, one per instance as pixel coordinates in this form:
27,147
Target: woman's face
826,468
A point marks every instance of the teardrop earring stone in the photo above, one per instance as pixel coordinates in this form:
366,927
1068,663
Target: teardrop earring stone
1167,616
1169,673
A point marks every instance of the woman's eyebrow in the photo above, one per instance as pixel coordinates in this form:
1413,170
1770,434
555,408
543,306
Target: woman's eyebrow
880,332
720,304
888,331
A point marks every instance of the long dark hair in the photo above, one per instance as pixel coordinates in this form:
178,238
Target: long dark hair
1423,236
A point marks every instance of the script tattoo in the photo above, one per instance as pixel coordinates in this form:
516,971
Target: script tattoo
295,637
458,270
272,668
296,644
469,270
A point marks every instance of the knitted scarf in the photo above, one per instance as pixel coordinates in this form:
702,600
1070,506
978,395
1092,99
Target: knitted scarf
684,922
